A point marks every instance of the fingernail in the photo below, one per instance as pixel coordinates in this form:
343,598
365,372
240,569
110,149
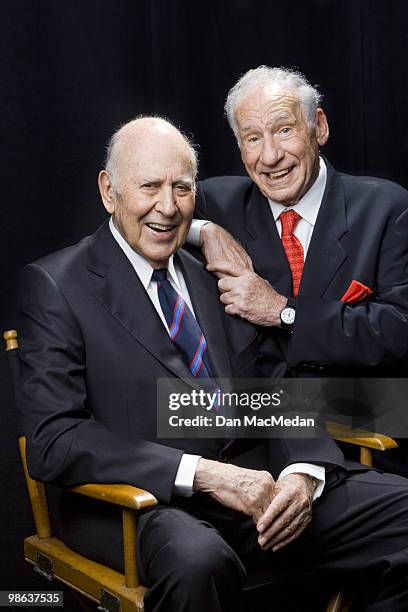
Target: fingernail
261,541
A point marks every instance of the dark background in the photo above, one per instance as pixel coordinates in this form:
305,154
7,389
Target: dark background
73,71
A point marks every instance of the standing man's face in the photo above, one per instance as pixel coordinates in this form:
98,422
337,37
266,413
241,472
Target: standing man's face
279,149
155,203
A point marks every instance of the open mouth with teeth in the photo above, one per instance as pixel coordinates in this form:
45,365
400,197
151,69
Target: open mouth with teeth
279,174
161,228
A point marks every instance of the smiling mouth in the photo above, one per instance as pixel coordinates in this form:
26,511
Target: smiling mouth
279,173
159,227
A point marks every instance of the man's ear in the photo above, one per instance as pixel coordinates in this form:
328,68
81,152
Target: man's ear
106,191
322,127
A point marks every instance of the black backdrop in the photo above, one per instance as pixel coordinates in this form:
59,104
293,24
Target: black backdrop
72,71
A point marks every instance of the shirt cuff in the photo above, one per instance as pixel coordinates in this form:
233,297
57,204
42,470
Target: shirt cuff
317,471
193,236
183,483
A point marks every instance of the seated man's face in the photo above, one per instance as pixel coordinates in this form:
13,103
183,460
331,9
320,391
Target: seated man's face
153,204
278,147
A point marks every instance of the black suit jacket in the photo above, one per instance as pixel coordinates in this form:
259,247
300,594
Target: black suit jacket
92,348
361,233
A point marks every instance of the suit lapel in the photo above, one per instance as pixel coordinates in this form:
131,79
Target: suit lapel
204,297
264,244
116,285
326,253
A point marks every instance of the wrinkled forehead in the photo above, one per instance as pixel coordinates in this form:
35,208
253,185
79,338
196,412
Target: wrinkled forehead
161,153
269,102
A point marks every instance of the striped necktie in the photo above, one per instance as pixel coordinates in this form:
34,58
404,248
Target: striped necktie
188,337
184,329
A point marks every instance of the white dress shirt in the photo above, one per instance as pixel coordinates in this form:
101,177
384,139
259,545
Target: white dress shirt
183,483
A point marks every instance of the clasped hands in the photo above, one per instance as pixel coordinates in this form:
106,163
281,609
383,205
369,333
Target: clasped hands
281,510
244,293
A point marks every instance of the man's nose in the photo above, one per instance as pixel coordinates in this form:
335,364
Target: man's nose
272,151
166,203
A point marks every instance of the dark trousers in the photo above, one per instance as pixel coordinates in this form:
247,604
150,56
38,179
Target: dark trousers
194,557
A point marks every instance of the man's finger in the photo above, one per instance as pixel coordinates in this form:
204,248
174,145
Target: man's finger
286,521
278,505
291,534
226,267
288,534
227,298
226,283
232,309
292,526
284,543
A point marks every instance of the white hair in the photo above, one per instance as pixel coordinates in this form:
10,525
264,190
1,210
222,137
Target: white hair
283,78
113,153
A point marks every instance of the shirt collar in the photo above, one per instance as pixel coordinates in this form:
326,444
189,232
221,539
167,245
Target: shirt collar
308,205
140,264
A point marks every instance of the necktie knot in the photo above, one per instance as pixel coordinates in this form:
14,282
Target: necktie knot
289,219
159,275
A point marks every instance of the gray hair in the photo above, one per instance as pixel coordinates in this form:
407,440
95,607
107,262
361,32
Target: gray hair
264,76
112,154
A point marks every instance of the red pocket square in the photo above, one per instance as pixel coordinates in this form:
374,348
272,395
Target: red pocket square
357,291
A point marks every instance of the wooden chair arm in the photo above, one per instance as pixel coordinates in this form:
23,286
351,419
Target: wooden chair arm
130,499
360,437
120,494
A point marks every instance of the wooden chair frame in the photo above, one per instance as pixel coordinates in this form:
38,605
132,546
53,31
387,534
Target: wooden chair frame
111,590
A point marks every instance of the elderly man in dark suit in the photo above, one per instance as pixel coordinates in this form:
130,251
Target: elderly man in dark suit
330,250
100,323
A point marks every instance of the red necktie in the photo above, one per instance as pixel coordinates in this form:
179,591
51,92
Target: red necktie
292,246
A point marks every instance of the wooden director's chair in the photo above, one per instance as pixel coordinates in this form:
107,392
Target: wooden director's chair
111,590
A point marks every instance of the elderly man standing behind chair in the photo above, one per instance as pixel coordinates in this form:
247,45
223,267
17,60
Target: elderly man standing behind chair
95,337
330,250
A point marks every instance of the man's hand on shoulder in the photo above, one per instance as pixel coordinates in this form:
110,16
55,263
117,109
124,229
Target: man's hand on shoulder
289,513
218,245
248,295
241,489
